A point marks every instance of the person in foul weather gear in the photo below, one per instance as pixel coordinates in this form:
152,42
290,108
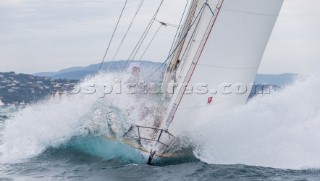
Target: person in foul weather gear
137,87
135,83
134,70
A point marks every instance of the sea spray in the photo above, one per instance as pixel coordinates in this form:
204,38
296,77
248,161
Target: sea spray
54,122
278,130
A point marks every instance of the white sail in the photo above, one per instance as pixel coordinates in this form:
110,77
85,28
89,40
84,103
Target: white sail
224,48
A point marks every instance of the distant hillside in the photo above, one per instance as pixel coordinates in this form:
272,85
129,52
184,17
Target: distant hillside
147,68
24,88
114,66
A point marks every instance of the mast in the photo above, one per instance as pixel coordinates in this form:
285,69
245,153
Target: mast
199,28
174,61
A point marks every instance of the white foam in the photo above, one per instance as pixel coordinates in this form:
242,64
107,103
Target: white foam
281,130
51,123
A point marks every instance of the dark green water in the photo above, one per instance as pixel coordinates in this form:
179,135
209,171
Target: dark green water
62,164
75,161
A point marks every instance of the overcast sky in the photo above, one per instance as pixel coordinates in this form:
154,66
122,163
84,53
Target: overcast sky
49,35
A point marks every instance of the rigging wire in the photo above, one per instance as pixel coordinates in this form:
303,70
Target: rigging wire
145,33
162,24
181,41
112,36
177,32
143,36
151,42
125,35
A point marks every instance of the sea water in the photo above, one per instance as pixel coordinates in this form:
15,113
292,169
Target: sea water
273,137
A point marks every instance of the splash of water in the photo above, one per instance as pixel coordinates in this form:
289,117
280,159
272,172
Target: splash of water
52,123
279,130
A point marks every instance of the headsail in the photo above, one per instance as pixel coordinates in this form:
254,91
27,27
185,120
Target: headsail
224,46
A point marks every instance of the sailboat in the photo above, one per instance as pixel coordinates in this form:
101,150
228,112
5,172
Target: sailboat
218,49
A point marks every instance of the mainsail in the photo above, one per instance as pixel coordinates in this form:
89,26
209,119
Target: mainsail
220,48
